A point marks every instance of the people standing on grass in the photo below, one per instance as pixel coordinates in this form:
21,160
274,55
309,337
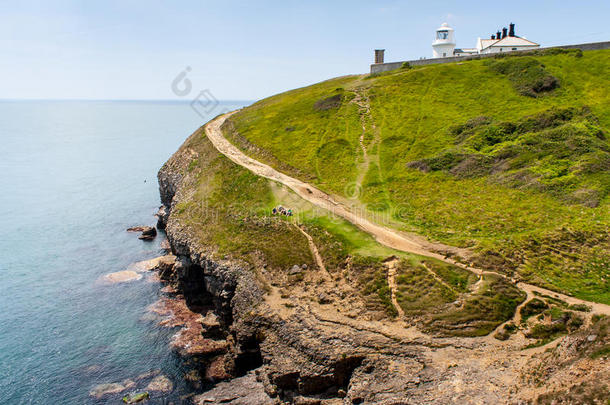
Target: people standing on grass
281,210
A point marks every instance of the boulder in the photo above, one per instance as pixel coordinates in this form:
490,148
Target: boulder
148,234
162,216
294,270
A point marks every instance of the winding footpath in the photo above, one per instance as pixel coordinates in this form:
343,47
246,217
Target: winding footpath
389,237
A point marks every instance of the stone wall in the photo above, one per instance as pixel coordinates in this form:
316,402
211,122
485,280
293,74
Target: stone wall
384,67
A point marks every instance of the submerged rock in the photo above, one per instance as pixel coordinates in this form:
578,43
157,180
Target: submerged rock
121,277
160,383
110,388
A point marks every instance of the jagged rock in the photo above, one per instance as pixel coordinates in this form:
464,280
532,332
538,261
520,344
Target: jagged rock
211,326
218,369
149,233
244,390
162,217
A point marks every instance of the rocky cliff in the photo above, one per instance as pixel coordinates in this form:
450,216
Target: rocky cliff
302,334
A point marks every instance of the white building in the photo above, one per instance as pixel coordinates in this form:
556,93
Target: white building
444,42
502,41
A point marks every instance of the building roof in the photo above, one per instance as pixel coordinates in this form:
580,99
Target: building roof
507,42
465,50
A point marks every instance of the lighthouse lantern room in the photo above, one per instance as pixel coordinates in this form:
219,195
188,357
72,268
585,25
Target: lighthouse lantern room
444,42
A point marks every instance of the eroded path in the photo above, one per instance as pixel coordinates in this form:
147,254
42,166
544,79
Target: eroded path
392,267
391,238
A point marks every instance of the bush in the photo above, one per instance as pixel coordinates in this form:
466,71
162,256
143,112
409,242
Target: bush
405,65
329,103
534,306
528,75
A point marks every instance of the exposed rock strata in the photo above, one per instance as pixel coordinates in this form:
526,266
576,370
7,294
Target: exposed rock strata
304,353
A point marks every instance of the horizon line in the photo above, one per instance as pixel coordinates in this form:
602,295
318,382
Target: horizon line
121,99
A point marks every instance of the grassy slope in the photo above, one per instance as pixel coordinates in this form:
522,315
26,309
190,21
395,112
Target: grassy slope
543,237
227,209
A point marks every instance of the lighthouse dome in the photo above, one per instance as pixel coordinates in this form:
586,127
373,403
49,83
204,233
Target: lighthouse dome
444,42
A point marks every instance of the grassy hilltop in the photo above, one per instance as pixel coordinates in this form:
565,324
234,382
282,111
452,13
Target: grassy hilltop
509,157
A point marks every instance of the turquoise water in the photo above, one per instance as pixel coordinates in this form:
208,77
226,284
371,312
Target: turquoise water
73,176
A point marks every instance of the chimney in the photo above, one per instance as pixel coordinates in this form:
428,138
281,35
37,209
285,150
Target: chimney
504,32
498,35
493,36
379,55
511,31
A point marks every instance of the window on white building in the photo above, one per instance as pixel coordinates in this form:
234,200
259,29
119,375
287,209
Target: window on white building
442,34
514,49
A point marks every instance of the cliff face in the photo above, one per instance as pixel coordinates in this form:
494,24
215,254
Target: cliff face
304,334
296,354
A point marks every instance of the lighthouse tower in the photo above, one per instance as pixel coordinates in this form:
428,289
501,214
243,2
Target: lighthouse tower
444,42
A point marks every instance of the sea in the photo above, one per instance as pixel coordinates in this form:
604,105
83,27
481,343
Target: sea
74,175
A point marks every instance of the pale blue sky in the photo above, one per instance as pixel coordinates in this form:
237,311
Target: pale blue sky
128,49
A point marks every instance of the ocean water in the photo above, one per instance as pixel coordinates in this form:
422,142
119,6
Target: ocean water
73,176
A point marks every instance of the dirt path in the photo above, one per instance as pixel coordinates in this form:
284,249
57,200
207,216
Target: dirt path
391,238
364,111
392,265
314,251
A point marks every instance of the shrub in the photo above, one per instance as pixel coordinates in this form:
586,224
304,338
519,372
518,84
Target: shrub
527,74
534,306
329,103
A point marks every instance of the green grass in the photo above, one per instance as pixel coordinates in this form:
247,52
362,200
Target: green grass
526,186
481,312
228,208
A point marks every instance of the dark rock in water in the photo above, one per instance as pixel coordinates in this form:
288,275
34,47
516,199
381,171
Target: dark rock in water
137,228
149,233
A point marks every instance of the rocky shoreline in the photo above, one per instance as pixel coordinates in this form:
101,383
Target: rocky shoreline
261,345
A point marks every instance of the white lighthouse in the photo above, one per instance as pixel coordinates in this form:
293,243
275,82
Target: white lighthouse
444,42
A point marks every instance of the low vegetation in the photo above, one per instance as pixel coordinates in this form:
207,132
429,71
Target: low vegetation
508,157
228,210
478,314
527,74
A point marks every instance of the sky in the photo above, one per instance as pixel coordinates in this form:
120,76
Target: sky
246,50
